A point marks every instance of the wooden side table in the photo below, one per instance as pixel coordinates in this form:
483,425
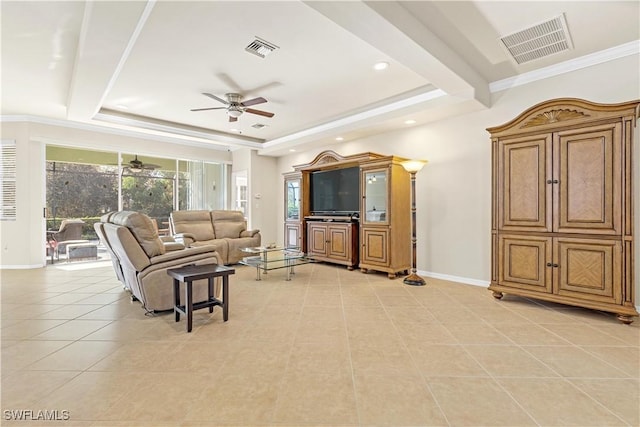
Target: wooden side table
188,274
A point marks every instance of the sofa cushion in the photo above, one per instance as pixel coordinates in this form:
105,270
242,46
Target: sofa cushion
142,229
228,230
197,223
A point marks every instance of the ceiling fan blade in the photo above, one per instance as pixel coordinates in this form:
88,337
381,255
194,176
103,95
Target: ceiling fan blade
233,119
215,97
259,112
212,108
253,101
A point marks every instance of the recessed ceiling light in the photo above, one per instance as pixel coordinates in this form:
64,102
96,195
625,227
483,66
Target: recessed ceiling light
409,122
339,138
235,130
292,149
379,66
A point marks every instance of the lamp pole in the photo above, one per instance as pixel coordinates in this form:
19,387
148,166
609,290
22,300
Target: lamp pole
414,166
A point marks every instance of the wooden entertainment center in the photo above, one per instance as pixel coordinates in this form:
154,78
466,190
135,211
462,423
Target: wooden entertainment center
374,235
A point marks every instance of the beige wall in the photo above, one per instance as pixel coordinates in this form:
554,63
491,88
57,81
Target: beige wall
454,189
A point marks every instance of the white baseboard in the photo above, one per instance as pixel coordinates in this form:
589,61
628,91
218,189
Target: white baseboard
21,267
465,280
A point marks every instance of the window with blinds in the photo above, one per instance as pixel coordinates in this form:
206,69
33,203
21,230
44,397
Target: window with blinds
8,180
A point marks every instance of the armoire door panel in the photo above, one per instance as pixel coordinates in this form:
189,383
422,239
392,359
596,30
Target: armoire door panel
523,179
589,169
526,262
317,239
589,269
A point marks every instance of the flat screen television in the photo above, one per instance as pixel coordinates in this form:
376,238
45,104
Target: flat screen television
335,192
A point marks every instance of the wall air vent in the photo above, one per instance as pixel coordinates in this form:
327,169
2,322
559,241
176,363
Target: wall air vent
260,47
538,41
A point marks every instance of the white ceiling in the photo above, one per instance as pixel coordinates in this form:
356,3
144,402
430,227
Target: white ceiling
142,66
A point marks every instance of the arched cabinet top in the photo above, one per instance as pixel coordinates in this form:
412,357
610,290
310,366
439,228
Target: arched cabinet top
564,113
330,159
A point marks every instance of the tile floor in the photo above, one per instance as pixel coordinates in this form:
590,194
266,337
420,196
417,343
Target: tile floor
329,348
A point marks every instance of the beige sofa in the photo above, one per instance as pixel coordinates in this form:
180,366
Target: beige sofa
141,259
225,230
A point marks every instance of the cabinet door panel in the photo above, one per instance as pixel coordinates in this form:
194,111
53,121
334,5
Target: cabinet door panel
339,242
317,235
292,235
524,262
525,196
589,269
374,246
589,170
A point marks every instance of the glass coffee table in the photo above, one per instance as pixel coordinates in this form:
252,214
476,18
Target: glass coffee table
265,259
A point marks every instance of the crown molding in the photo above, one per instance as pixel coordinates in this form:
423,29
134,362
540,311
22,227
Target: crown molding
621,51
111,131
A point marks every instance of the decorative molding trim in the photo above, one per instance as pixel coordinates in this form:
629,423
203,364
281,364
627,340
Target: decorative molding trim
109,131
554,116
21,266
465,280
627,49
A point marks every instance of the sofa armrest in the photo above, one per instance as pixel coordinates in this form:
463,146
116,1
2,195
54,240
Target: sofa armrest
186,239
167,239
173,246
249,233
184,253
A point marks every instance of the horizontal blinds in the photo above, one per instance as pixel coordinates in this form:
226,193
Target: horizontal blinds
8,179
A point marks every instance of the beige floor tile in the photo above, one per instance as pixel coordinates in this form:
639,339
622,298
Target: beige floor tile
73,330
230,400
25,388
446,361
286,359
626,359
477,402
478,333
556,402
508,361
622,397
316,399
319,357
24,353
90,395
69,312
389,357
25,311
531,334
574,362
584,335
396,401
28,328
77,356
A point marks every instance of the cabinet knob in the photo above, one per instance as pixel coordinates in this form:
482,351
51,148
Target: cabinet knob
552,181
551,265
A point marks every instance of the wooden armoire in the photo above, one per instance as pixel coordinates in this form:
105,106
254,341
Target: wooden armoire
562,205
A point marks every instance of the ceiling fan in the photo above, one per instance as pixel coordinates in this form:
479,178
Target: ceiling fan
136,165
235,106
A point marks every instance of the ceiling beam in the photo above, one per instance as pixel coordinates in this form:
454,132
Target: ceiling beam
390,28
109,31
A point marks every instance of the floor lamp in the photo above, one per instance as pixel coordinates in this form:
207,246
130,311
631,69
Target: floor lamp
413,166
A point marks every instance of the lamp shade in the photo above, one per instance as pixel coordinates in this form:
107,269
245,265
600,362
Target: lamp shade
413,165
234,112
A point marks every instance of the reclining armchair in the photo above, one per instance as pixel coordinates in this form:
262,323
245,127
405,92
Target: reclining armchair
141,259
70,231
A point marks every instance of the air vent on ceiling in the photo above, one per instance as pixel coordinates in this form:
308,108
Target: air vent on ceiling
258,126
538,41
260,47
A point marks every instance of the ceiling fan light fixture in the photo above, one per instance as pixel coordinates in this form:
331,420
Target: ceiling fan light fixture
234,112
